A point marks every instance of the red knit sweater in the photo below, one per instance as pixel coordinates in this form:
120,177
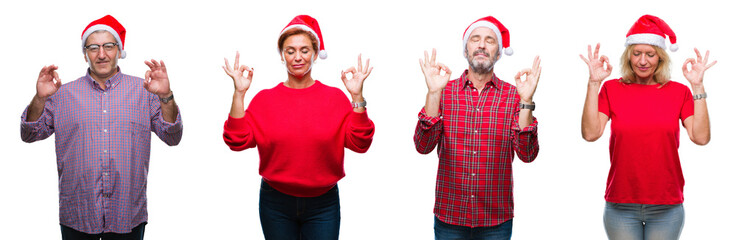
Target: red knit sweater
300,135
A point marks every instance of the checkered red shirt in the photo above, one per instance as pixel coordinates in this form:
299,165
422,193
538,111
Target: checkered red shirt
477,133
103,144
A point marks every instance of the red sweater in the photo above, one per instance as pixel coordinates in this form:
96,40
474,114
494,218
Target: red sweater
300,135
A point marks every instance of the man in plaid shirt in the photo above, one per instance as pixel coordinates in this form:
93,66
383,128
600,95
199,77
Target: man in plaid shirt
477,121
103,123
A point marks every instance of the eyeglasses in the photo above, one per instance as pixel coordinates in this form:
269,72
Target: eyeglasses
94,48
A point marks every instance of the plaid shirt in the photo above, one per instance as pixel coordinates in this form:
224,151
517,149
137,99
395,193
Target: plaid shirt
103,143
477,133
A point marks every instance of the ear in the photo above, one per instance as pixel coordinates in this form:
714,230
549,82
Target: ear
86,58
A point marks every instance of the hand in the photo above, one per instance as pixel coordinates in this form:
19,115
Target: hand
45,85
598,71
698,67
157,80
354,85
242,83
433,72
527,87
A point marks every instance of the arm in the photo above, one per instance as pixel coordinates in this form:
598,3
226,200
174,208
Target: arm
354,85
526,91
237,133
524,139
698,125
429,127
37,121
165,117
593,122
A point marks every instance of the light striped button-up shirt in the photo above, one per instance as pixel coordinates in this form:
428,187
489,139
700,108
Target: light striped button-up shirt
103,145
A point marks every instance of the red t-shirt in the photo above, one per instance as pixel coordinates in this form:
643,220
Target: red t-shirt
645,135
301,135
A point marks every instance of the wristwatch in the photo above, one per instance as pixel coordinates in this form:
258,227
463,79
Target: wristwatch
527,106
700,96
167,99
359,104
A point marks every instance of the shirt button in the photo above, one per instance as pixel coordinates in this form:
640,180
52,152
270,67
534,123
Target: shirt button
476,131
474,152
105,173
104,111
477,109
472,174
472,196
104,130
104,151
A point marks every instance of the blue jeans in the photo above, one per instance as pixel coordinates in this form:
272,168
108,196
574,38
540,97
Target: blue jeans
633,221
444,231
307,218
136,233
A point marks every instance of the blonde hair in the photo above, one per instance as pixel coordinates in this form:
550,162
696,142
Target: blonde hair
661,74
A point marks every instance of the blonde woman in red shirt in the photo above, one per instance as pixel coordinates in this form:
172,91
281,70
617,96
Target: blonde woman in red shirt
301,128
645,184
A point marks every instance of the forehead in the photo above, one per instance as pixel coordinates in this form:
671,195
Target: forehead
298,41
483,32
644,48
100,37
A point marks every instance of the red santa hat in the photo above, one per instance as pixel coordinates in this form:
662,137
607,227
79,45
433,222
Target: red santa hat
651,30
109,24
501,32
309,24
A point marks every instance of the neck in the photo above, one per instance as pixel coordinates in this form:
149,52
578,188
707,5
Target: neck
299,82
101,80
479,80
645,81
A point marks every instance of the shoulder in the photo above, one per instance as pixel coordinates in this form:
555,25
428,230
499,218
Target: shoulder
677,85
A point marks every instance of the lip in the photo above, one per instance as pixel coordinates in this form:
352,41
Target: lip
296,66
643,68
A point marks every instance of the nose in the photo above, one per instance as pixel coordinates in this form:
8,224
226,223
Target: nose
642,60
101,54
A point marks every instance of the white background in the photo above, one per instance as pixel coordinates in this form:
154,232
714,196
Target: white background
202,190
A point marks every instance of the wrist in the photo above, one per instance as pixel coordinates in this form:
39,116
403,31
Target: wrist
527,101
698,88
357,98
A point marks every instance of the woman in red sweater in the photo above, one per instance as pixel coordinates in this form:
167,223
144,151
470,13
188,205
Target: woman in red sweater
645,184
301,128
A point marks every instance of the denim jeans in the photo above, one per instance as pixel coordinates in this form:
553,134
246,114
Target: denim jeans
306,218
633,221
444,231
136,233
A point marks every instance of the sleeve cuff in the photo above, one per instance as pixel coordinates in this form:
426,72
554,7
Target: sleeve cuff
531,128
428,121
235,123
360,119
174,127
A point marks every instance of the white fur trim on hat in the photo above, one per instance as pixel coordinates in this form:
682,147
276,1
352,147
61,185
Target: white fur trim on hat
97,27
646,38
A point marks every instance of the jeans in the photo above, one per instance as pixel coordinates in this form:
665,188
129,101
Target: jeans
307,218
633,221
136,233
444,231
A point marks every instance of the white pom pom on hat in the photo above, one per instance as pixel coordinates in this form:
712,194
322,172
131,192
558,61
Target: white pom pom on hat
109,24
309,24
651,30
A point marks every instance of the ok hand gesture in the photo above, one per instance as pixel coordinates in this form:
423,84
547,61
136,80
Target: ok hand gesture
157,79
242,83
598,71
698,67
433,72
48,82
354,85
527,87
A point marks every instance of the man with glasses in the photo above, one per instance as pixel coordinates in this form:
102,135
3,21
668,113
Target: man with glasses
103,123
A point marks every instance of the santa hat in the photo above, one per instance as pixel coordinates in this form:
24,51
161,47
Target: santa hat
651,30
109,24
490,22
309,24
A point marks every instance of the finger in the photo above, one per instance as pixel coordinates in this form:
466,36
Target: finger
250,73
590,52
367,64
610,68
597,47
148,76
369,72
444,68
360,63
605,59
584,60
434,56
343,77
155,63
707,53
149,64
535,66
163,66
684,65
697,53
237,60
351,70
56,76
227,66
710,65
426,57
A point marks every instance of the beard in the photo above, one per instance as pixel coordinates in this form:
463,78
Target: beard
481,67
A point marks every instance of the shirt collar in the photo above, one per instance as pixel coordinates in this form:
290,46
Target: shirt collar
494,83
110,83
